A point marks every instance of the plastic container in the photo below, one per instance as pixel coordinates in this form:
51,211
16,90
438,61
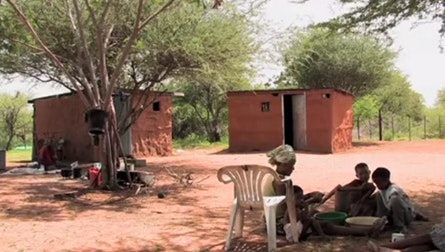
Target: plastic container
344,198
361,221
77,172
397,237
337,218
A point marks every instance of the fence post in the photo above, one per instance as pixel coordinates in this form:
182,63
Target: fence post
392,126
440,128
380,126
370,129
424,127
358,128
409,127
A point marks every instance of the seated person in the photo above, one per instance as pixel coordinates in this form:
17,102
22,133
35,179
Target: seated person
361,190
309,225
47,157
283,158
392,201
434,240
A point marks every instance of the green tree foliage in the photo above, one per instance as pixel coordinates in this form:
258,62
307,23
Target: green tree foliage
319,59
98,46
398,98
366,108
380,16
440,100
15,119
228,39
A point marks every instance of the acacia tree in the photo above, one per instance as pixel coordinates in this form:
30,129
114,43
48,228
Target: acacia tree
365,109
355,63
14,117
398,98
92,48
440,100
380,16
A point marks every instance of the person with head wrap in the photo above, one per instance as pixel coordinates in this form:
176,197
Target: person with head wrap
284,159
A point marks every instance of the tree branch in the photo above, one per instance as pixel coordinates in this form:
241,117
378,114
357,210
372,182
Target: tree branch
127,49
24,20
89,60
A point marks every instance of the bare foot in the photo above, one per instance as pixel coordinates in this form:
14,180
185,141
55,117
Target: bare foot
375,248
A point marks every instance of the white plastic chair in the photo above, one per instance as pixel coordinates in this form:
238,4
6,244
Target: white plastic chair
248,183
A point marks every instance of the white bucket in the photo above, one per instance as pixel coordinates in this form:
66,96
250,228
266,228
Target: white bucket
397,237
130,167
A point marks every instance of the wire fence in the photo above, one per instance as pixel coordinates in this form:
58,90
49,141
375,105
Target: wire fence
395,127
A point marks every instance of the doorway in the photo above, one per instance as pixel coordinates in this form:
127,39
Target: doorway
294,116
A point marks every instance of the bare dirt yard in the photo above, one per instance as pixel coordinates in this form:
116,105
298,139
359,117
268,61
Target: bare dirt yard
195,218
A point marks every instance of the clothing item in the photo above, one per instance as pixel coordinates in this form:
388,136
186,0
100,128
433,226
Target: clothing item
394,203
288,232
395,191
438,236
283,154
47,156
269,190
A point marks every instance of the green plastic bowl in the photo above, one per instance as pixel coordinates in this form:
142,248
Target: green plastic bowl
337,218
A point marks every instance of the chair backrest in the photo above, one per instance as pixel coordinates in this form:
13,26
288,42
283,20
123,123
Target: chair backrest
248,181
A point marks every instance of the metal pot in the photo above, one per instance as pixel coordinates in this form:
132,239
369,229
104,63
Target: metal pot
66,172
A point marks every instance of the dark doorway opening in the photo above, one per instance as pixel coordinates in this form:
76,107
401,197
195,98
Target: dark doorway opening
288,120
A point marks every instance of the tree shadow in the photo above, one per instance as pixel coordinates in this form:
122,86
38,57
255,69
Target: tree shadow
31,197
253,152
359,144
198,225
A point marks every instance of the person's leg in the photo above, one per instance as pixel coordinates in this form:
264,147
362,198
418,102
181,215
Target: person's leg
418,248
418,243
401,216
313,197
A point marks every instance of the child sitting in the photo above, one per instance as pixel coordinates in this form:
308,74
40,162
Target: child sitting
360,189
393,202
308,224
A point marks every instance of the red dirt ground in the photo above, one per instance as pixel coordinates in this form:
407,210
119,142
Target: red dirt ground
196,218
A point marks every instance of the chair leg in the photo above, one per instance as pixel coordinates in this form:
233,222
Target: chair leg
233,215
270,213
239,223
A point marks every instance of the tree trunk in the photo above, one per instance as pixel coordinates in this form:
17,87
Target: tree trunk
214,133
109,153
9,142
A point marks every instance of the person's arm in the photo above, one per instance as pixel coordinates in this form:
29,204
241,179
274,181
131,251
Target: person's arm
368,190
352,186
280,187
314,197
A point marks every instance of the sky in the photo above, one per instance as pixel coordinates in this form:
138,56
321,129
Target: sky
419,54
418,46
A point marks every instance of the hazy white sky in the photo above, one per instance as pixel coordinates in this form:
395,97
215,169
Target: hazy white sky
419,54
419,58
